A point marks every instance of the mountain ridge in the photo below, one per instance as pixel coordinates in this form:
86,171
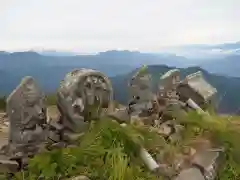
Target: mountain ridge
213,60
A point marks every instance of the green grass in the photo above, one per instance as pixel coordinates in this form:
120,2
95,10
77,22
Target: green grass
2,103
223,133
51,99
107,151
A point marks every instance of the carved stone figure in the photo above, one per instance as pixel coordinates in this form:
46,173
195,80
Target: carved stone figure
167,98
196,88
27,113
81,97
168,85
141,93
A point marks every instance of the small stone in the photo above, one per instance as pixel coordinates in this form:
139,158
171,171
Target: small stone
136,120
179,162
165,170
72,137
200,144
179,128
57,145
121,115
54,136
8,166
191,174
206,159
175,138
123,124
55,125
6,123
165,129
188,151
160,157
192,151
80,178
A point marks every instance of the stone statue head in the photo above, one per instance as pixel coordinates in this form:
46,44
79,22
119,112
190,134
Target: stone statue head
81,93
170,79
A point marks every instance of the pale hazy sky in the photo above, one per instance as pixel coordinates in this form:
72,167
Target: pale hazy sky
97,25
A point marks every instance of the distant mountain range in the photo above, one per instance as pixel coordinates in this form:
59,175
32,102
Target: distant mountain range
56,53
228,66
50,67
194,51
205,52
221,59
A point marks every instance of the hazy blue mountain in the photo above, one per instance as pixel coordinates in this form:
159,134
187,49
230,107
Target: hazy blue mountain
205,51
56,53
221,58
228,66
103,58
119,62
226,46
228,87
135,58
25,61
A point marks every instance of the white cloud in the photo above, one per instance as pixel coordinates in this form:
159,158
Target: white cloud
93,25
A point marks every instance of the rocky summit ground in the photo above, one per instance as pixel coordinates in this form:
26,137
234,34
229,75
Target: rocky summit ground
108,151
52,112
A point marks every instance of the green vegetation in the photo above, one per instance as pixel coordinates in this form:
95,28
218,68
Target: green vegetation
2,103
107,151
110,151
142,70
222,133
51,99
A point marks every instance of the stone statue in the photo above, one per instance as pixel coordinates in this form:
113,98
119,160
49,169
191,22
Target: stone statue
27,113
168,84
195,87
81,97
141,92
28,130
167,97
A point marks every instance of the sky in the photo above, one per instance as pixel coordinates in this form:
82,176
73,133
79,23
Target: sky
99,25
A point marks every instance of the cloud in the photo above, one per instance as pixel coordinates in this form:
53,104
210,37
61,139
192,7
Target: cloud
92,25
